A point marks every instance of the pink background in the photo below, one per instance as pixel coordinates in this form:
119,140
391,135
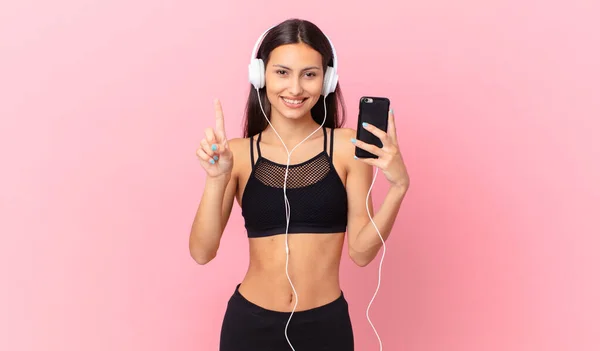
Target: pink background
104,102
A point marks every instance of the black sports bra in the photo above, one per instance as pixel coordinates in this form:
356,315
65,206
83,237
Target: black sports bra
316,195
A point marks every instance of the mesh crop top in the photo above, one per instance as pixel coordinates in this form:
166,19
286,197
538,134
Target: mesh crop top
316,195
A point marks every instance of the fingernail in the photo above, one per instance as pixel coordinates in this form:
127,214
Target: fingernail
356,158
216,158
365,124
212,161
392,111
214,147
353,140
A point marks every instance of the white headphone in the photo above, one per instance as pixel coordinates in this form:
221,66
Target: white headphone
256,69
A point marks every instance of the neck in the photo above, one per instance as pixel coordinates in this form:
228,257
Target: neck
292,131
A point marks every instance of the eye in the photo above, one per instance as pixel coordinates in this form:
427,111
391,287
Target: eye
311,74
280,71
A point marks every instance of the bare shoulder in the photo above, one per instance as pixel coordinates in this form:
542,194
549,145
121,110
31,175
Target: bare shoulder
238,144
239,147
342,145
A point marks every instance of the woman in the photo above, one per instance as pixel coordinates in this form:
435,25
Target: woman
294,302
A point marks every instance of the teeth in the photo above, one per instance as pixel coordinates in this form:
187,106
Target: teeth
297,102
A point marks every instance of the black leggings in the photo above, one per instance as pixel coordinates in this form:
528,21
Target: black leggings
248,327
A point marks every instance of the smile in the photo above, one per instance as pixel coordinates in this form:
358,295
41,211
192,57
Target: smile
293,103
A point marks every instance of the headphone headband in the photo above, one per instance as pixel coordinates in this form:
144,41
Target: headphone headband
264,34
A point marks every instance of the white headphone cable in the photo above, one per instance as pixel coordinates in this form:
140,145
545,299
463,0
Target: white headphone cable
287,208
380,263
287,204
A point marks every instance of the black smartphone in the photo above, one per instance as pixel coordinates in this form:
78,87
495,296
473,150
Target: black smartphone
372,110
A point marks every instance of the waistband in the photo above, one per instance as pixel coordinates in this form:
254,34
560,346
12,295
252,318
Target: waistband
339,305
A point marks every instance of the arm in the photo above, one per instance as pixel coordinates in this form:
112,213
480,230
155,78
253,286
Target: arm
212,217
216,156
363,240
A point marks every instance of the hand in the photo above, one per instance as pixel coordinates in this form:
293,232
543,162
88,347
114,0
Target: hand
214,153
390,159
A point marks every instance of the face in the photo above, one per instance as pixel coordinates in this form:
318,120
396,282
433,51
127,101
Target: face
293,80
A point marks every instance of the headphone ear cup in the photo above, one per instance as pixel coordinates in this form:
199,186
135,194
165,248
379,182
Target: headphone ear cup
329,81
256,73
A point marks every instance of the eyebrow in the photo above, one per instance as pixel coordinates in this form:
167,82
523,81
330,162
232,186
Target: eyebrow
304,69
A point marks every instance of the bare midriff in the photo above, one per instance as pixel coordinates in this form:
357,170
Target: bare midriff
313,268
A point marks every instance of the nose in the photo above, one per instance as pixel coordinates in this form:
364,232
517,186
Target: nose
295,87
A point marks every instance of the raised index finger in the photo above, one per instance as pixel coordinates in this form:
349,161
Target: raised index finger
220,122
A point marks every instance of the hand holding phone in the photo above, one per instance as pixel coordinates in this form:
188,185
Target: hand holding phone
378,147
374,111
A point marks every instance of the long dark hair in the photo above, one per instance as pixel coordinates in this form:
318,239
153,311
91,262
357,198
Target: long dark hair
294,31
